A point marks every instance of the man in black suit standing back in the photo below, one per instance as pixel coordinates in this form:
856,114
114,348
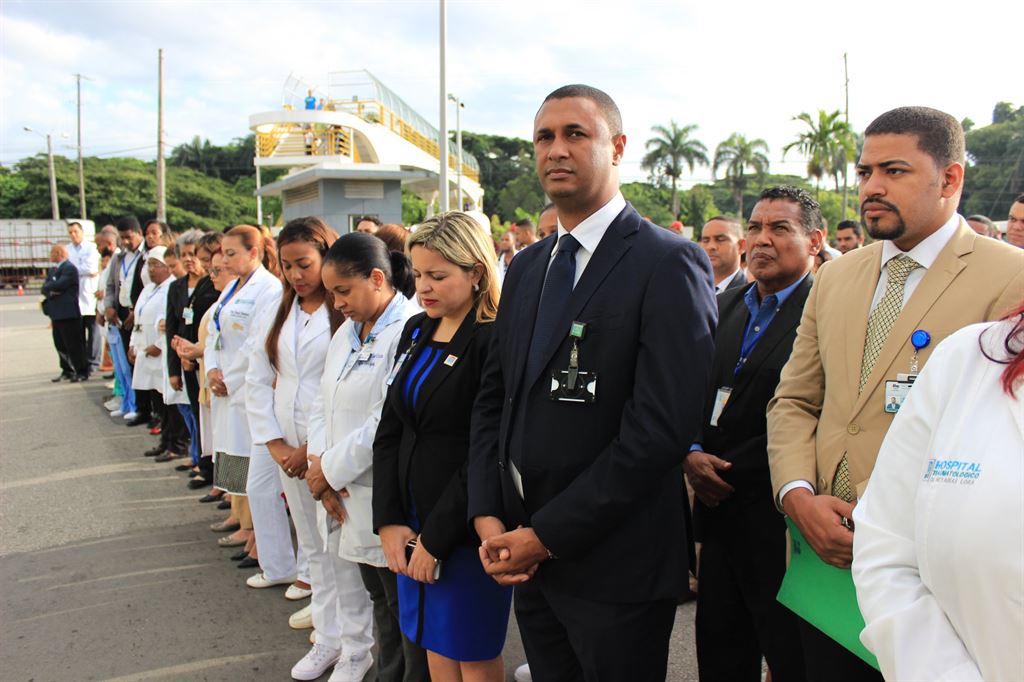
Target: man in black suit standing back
60,304
592,395
742,535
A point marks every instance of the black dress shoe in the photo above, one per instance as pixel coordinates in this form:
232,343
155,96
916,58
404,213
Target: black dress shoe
138,421
152,452
210,497
224,504
249,562
239,556
183,467
199,482
61,377
75,379
82,377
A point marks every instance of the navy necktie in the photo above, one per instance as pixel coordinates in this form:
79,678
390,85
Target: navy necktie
553,301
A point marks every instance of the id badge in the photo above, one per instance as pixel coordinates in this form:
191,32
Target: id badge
721,398
582,390
364,357
398,367
896,392
217,345
188,315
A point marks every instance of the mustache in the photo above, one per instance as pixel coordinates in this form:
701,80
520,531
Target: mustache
879,201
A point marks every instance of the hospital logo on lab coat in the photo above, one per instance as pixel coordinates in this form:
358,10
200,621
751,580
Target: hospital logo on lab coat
959,471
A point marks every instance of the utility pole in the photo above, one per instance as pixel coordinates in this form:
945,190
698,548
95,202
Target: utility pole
443,132
846,117
161,189
458,147
81,166
54,206
259,197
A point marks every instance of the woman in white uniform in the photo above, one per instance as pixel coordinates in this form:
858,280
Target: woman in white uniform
281,386
144,347
938,545
233,332
370,286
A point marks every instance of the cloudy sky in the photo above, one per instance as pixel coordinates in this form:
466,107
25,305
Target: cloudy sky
727,67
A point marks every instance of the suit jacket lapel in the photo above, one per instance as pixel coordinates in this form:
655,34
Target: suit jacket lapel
784,322
613,245
526,304
938,277
452,355
729,340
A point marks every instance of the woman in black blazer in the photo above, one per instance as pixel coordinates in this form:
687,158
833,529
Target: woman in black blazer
420,455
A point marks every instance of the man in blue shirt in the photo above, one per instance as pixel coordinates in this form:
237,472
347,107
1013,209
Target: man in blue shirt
310,100
743,553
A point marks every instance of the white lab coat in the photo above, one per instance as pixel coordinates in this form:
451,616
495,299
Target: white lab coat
147,374
241,321
938,550
171,396
344,423
86,258
281,410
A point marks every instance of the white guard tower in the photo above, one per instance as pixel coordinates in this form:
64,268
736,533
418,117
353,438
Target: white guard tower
350,151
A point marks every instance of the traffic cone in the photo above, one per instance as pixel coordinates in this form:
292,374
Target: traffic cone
21,290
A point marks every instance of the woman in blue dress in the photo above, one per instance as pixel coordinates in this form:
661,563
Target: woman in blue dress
447,604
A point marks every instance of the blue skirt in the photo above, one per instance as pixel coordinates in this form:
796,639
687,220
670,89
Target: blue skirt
464,615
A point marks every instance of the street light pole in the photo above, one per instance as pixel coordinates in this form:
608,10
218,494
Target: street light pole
81,166
54,207
443,133
458,146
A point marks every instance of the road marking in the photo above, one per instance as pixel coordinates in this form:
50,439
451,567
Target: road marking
67,611
167,544
193,667
119,576
72,474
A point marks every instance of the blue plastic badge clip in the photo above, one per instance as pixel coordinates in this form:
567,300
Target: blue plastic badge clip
920,340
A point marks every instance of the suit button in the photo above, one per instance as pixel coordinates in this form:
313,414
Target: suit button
501,464
853,429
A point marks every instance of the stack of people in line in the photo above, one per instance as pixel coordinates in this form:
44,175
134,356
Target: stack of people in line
450,429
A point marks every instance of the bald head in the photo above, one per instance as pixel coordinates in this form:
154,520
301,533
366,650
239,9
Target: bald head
58,253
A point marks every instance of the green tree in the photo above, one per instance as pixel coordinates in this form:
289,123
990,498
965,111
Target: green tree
699,207
736,155
650,201
995,175
523,192
827,143
414,209
501,160
669,150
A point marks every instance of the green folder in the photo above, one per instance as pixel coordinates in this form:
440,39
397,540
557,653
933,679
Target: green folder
823,595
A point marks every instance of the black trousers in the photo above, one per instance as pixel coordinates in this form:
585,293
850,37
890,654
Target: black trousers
67,339
828,661
174,434
399,659
739,619
144,403
568,638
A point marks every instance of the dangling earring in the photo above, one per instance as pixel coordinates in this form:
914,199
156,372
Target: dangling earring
476,287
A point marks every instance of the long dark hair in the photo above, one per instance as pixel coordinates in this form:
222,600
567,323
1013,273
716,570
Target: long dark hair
1014,346
358,254
315,232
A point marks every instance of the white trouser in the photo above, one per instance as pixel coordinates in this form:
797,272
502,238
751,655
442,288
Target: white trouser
269,518
301,557
355,611
320,569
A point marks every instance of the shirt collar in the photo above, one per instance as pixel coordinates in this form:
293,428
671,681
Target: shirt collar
589,232
720,287
928,250
391,314
754,304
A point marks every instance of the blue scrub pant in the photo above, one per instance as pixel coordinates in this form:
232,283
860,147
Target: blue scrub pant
193,431
122,368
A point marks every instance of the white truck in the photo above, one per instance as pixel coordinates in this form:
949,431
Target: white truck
25,246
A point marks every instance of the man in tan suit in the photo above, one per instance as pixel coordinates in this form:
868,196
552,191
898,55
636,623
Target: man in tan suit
927,270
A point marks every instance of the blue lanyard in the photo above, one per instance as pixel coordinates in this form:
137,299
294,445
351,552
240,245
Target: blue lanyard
750,340
216,313
138,312
125,267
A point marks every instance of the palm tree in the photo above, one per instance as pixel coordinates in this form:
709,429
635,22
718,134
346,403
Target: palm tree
737,154
827,143
668,150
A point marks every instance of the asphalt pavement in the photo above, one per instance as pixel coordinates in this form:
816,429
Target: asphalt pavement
108,570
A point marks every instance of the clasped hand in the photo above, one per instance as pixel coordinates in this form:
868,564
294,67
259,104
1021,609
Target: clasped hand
215,380
291,460
820,519
420,566
511,558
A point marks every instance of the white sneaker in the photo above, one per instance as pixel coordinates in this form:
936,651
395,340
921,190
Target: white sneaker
113,404
315,663
260,581
295,593
301,619
522,673
351,669
117,413
128,416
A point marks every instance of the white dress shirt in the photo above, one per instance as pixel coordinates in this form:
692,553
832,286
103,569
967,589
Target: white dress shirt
589,233
721,286
86,258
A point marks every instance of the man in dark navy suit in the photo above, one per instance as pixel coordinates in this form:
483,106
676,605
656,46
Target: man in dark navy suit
60,303
742,535
592,395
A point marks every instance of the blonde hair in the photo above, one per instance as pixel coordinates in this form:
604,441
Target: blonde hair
460,240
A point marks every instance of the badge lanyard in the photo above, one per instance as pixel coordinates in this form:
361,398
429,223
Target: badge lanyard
749,342
138,311
126,267
920,340
216,313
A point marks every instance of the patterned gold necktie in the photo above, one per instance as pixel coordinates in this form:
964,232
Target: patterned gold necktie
880,323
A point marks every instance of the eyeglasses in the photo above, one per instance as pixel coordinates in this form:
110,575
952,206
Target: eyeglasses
215,272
